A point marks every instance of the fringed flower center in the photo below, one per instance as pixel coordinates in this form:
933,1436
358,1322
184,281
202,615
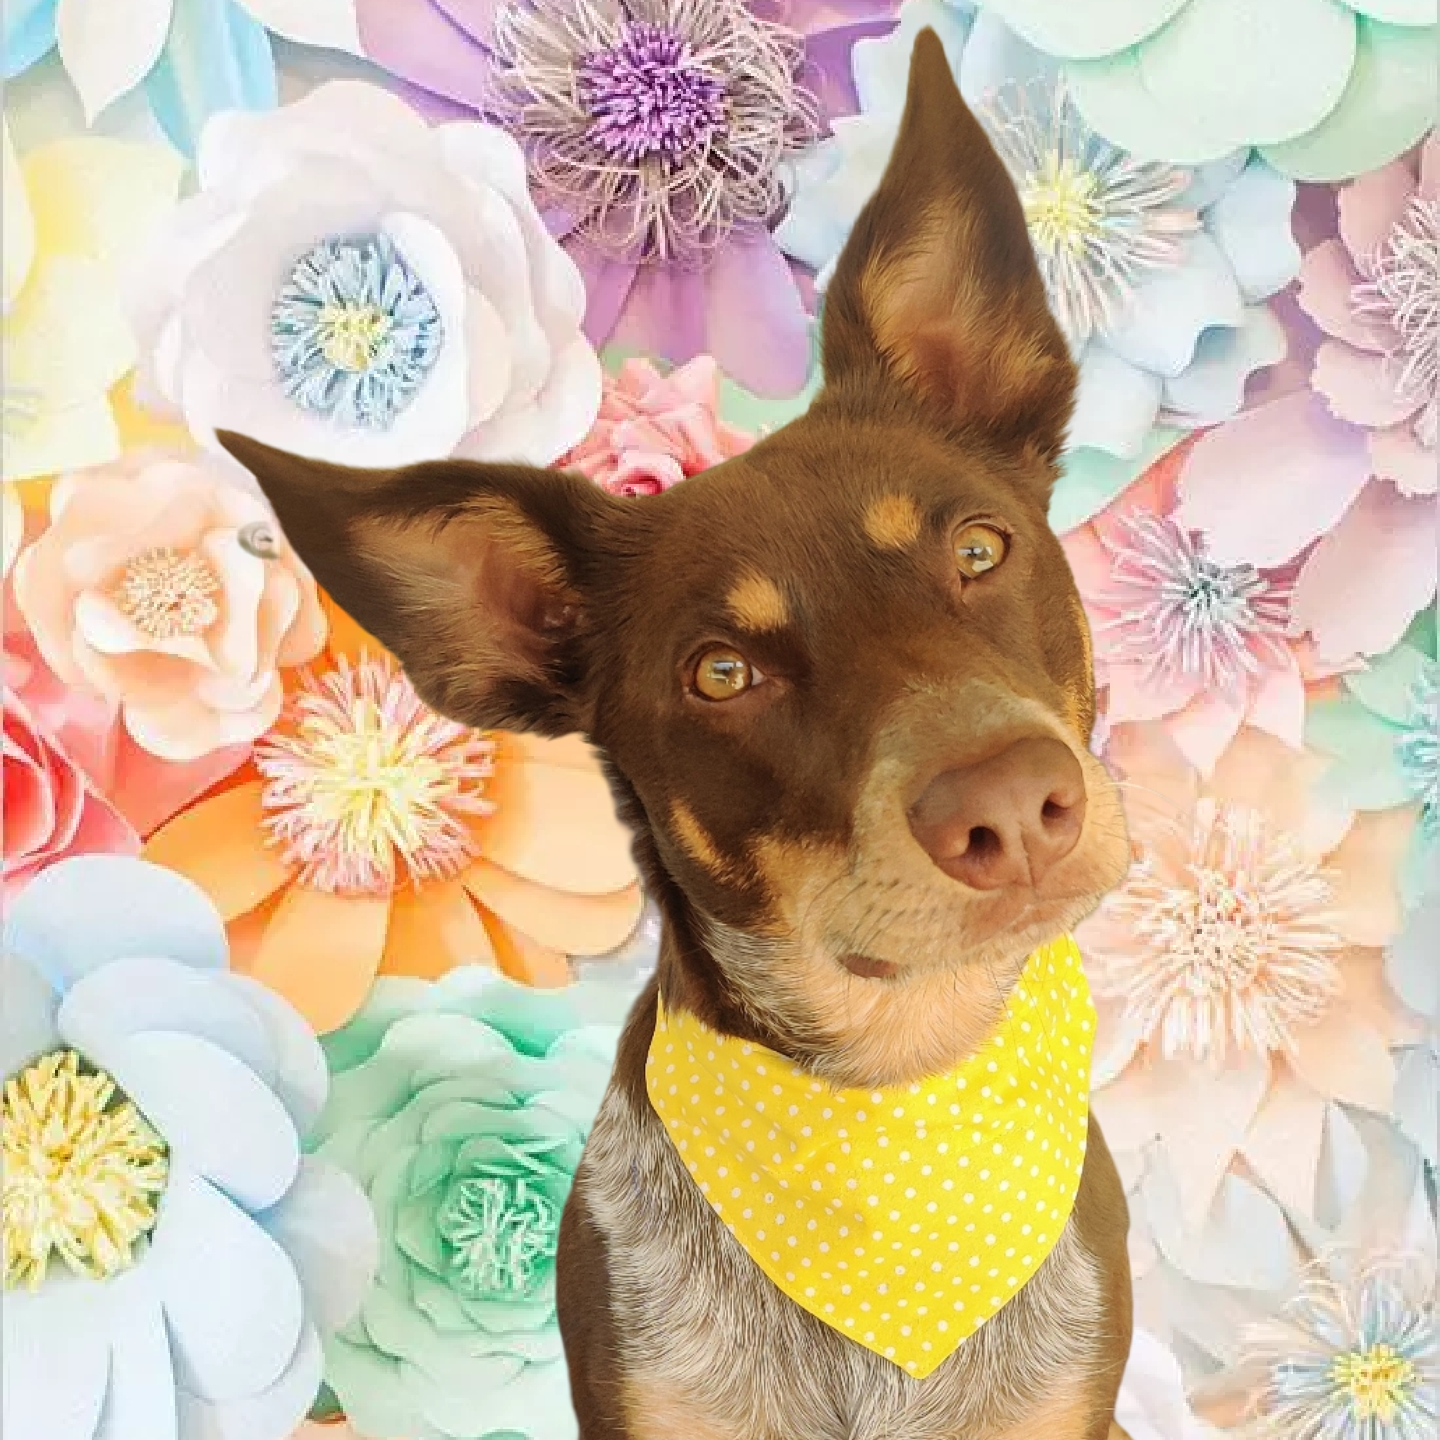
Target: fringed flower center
1354,1356
1184,617
647,96
354,332
1417,747
1099,219
1234,947
83,1172
169,594
1401,289
1377,1381
660,135
500,1234
365,786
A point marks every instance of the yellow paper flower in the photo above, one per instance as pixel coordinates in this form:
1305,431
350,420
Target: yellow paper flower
74,212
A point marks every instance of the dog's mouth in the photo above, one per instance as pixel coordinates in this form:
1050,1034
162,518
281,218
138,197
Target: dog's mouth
868,968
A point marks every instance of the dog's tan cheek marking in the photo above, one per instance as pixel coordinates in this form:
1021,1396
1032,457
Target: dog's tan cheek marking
892,522
697,843
756,603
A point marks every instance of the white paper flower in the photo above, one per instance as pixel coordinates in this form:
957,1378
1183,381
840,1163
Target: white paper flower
171,1258
353,285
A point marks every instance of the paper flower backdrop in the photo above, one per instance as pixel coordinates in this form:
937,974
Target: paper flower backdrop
249,875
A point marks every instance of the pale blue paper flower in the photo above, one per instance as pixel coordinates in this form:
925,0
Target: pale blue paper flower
194,57
1157,274
1325,88
461,1107
194,1306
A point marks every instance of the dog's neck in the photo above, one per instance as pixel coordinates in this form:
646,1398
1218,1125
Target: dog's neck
848,1031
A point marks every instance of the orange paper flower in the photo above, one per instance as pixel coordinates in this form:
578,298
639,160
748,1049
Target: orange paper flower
371,835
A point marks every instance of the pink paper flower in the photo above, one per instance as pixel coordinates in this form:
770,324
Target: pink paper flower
1351,462
51,808
1237,970
654,430
1201,647
1374,289
169,591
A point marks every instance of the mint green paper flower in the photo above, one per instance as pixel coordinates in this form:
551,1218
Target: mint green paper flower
1384,734
1325,89
461,1108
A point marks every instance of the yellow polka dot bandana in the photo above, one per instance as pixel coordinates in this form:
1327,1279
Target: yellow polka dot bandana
903,1217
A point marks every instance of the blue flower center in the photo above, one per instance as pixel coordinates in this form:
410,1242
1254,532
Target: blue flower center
354,332
500,1234
648,97
1417,747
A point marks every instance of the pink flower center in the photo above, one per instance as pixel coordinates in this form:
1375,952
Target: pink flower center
1401,289
1231,939
366,786
1181,615
168,594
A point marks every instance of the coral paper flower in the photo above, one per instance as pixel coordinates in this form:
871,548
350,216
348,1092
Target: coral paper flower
1156,273
194,57
1236,970
654,430
657,132
352,285
375,835
167,589
1202,647
1323,88
172,1258
52,808
1374,290
461,1108
75,211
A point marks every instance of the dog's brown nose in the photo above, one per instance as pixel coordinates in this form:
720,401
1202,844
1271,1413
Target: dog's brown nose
1006,820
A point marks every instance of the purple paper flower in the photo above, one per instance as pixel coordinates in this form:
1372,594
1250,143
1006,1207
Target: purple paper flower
658,135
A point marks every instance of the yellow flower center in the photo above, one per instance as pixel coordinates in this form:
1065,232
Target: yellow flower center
82,1172
1059,204
352,336
1377,1381
167,593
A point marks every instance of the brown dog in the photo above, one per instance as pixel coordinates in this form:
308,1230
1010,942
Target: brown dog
842,687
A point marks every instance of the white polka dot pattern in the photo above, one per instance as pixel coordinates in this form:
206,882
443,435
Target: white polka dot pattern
904,1217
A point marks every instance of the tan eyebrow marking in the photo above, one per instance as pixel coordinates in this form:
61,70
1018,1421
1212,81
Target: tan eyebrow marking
757,604
892,521
692,835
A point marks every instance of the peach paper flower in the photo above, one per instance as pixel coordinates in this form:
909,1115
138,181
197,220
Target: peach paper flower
654,430
1200,646
1238,969
372,836
169,591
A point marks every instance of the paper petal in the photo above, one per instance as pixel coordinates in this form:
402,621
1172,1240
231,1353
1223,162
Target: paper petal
58,1330
140,1402
231,1296
326,1226
109,49
91,909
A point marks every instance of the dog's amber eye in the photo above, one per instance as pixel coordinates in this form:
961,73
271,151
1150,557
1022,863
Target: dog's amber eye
722,673
979,548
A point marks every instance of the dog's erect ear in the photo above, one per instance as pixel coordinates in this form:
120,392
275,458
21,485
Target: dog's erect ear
470,574
937,286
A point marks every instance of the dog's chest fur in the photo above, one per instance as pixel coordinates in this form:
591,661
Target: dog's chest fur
697,1320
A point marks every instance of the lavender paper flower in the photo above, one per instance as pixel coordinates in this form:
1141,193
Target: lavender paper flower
657,134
